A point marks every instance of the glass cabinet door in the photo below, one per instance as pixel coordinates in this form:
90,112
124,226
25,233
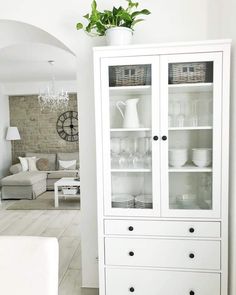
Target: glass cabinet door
191,120
130,93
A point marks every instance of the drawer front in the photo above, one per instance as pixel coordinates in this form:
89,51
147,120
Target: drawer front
163,228
153,282
188,254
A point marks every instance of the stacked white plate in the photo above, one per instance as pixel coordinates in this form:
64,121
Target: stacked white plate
122,201
143,201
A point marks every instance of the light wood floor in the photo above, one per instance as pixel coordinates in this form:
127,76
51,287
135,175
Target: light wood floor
62,224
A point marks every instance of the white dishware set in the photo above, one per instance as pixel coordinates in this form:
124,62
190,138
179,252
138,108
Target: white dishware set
201,157
143,201
131,153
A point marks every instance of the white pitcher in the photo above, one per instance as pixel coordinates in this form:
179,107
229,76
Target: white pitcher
130,115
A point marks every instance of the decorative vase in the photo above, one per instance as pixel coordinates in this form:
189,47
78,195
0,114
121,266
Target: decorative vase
119,36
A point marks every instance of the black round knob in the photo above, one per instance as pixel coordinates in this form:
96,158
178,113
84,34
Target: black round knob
164,137
191,230
131,289
131,228
191,255
191,292
131,253
155,137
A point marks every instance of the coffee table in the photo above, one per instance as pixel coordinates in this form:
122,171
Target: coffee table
65,181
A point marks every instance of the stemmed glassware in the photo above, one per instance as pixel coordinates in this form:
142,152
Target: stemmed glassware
148,153
131,153
137,157
176,117
180,118
193,119
125,153
115,152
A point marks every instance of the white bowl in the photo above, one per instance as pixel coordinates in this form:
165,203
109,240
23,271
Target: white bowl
202,153
177,157
201,163
177,162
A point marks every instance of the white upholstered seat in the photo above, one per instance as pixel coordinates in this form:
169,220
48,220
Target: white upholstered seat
28,265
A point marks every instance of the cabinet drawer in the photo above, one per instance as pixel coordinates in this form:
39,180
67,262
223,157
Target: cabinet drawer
163,228
153,282
191,254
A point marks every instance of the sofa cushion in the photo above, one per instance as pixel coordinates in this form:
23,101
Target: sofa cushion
60,174
68,157
51,158
24,178
42,164
16,168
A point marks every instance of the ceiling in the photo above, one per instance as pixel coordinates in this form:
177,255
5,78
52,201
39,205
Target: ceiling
29,62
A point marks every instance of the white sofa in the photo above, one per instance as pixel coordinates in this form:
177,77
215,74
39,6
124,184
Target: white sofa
29,265
30,184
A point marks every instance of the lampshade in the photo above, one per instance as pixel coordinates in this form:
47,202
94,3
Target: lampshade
12,133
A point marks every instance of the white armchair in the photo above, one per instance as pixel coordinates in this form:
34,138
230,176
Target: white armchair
28,265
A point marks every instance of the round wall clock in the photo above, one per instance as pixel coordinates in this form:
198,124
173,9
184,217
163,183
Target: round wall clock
67,126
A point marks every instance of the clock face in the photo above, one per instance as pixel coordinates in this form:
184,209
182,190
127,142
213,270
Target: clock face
67,126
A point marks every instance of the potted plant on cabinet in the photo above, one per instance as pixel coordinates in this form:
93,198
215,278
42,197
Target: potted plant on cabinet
116,24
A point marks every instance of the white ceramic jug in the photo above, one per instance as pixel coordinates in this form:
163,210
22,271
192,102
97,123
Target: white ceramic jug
130,115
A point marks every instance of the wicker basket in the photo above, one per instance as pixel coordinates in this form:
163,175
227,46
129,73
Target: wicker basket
132,75
188,73
69,190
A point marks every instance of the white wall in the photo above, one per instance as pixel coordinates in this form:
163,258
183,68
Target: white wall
171,20
5,146
221,24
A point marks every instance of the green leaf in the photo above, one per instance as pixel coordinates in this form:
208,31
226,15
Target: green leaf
79,26
144,11
132,4
137,21
94,5
86,16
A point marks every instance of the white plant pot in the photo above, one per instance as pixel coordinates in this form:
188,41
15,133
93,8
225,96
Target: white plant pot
119,36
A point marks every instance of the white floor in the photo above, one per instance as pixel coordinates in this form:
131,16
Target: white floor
63,224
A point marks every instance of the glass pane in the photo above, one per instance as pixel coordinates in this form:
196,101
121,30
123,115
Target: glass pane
130,136
190,191
190,121
132,190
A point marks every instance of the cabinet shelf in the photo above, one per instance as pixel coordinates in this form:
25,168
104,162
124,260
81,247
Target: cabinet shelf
131,170
190,168
190,87
190,128
118,90
129,129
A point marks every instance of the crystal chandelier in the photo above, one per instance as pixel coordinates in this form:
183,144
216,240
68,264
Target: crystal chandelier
50,98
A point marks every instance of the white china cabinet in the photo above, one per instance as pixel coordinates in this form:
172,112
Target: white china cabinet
162,124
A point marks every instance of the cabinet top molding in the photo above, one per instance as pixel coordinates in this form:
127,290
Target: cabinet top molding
166,46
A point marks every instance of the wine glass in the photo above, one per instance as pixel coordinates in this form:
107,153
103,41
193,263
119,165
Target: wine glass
115,152
137,157
180,119
148,153
171,114
193,119
125,153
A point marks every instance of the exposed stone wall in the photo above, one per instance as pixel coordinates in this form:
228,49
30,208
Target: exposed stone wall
38,128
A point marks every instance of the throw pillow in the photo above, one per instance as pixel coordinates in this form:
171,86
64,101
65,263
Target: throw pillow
67,165
42,164
24,163
32,164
